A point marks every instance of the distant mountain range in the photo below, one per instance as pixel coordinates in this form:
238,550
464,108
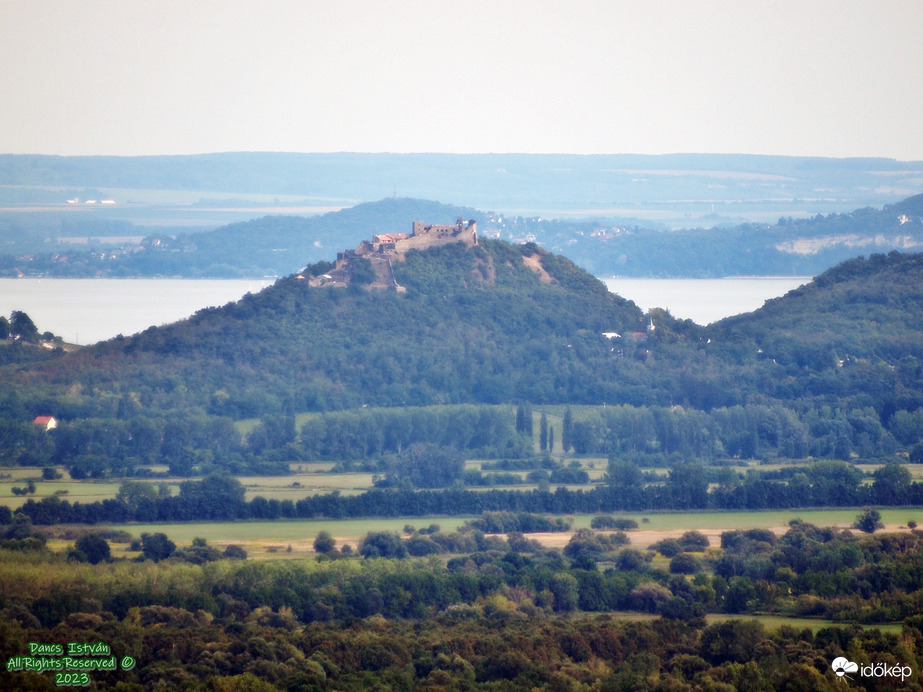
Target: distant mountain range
280,245
675,185
679,190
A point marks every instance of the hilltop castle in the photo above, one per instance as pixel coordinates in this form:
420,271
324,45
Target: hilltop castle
385,248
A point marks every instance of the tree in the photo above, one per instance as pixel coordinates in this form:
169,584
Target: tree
567,431
21,325
94,547
892,482
694,541
868,521
739,594
136,493
361,271
524,419
684,563
687,486
324,543
427,465
563,587
214,497
235,552
156,546
625,475
382,544
543,433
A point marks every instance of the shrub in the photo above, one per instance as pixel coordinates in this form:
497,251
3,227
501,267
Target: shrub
668,547
324,543
630,560
418,546
694,541
684,563
620,523
382,544
94,547
235,552
868,521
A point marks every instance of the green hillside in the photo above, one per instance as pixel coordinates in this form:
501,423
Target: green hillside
863,309
831,369
473,326
495,324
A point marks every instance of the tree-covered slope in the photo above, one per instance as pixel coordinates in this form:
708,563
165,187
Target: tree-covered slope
477,325
502,323
865,308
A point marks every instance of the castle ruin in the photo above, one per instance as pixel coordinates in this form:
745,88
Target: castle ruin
385,248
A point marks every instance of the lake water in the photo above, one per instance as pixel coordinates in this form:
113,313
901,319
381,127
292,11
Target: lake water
85,311
88,310
705,300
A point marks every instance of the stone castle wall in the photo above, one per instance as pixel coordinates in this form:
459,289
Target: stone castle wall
384,248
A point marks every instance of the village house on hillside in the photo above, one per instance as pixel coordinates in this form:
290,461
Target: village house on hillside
385,248
46,422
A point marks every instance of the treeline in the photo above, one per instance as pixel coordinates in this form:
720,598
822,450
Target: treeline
480,431
807,571
648,435
200,444
686,487
745,432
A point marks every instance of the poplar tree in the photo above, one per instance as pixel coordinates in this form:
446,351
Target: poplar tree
567,432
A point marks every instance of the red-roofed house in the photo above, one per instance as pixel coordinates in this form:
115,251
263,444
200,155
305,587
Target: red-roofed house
47,422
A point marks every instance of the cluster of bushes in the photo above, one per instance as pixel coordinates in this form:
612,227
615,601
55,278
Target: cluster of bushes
517,522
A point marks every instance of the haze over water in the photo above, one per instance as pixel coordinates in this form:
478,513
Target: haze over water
705,300
85,311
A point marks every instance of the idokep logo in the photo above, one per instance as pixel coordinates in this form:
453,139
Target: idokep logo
844,668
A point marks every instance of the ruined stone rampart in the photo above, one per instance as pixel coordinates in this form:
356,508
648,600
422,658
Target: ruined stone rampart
385,248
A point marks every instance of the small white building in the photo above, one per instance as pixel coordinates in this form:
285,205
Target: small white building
47,422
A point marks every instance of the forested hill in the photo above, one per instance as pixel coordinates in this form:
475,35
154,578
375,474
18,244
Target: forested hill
500,323
865,308
492,324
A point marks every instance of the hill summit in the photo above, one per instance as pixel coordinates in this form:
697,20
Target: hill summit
475,322
372,261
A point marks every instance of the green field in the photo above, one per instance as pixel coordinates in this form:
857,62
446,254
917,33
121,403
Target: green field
263,539
306,479
727,521
776,621
256,535
770,622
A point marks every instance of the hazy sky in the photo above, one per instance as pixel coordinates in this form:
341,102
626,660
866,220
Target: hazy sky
801,77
